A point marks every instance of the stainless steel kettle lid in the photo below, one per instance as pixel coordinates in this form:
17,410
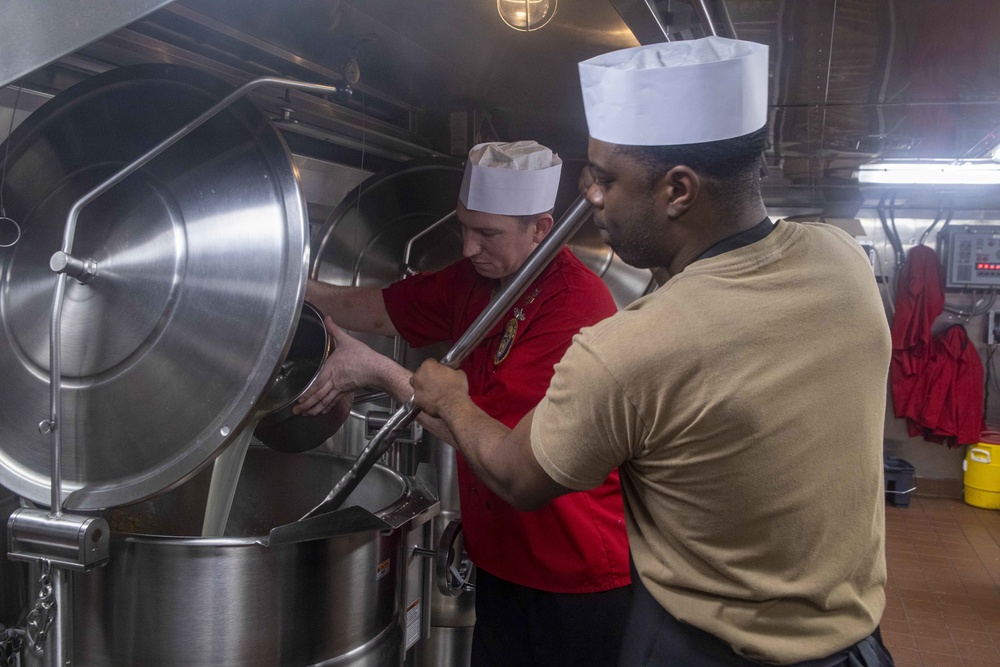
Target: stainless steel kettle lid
202,259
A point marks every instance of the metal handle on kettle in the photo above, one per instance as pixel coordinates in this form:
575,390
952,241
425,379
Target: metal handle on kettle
539,258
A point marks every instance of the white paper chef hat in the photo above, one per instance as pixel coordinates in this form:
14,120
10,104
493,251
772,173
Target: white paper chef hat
676,93
519,178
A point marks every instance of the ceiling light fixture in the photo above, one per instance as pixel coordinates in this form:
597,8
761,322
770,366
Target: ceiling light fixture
526,15
931,172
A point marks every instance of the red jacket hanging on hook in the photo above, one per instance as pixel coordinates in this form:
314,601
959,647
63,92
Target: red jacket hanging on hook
937,382
952,383
919,300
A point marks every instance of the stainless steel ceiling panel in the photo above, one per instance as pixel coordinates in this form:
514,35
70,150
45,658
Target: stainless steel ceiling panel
37,32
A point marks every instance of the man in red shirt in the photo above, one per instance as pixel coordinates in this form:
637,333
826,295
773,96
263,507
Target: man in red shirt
552,585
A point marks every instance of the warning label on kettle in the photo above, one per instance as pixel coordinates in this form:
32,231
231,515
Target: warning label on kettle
382,569
412,623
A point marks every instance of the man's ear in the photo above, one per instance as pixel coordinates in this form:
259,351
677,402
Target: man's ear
542,226
676,191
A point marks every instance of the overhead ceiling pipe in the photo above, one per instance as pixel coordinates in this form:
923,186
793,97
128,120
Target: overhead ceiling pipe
705,14
651,4
727,20
701,7
988,146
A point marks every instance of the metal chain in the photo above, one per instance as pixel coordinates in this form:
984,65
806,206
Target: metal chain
11,641
40,618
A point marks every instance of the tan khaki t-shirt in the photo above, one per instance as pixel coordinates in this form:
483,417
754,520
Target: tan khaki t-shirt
744,401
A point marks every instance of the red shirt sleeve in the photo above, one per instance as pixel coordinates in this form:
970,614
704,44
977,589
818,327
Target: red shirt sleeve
422,307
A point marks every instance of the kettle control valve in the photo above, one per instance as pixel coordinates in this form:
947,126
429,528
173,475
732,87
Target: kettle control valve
453,571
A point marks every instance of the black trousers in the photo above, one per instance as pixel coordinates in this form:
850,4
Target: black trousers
655,637
518,626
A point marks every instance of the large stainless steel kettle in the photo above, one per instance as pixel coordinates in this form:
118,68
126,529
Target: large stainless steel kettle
166,353
254,597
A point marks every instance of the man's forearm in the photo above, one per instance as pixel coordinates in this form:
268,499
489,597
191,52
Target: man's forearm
354,308
480,438
501,457
395,381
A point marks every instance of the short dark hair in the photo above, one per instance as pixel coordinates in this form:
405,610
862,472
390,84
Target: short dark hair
717,159
733,163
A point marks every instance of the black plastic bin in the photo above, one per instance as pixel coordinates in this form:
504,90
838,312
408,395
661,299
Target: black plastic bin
899,484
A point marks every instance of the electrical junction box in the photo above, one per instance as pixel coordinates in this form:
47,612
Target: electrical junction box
971,255
993,327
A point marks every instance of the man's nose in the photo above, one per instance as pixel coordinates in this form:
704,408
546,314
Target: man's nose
470,247
595,195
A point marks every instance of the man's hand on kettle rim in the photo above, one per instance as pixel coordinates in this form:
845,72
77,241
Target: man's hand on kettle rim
342,372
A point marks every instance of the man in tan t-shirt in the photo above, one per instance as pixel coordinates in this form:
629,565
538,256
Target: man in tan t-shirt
743,401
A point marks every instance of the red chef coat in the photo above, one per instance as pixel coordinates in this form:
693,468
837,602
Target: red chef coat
577,542
937,381
951,387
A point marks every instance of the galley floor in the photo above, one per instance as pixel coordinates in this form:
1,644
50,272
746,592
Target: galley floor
943,596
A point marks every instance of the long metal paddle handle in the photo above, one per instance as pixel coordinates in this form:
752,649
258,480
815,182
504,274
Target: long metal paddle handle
494,311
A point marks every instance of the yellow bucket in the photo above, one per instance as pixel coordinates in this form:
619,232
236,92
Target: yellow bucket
982,476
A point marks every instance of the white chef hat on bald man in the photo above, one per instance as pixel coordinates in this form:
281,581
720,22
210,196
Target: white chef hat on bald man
676,93
519,178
